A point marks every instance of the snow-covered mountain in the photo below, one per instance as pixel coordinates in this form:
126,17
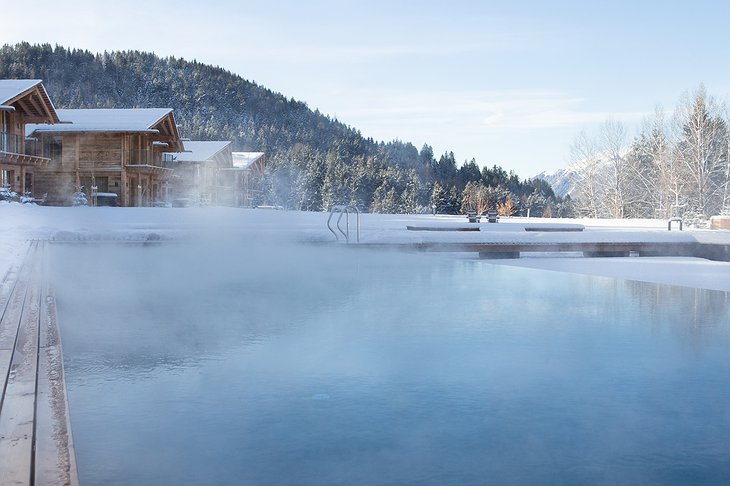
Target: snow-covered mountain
565,181
562,180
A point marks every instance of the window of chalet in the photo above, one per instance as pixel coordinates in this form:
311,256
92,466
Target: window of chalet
6,178
4,131
53,147
135,150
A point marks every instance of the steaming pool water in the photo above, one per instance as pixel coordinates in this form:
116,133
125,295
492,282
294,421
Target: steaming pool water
222,363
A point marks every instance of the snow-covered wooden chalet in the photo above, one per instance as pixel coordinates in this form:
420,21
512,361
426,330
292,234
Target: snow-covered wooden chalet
210,173
197,175
22,101
113,155
247,168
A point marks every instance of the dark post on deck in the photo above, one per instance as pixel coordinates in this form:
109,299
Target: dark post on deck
671,220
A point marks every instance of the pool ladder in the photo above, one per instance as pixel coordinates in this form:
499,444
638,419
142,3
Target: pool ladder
343,210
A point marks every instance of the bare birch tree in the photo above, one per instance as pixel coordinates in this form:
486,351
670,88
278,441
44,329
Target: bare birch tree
583,155
674,168
615,174
655,185
726,186
702,151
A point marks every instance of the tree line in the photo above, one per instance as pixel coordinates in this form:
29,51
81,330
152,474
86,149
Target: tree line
313,161
676,165
418,182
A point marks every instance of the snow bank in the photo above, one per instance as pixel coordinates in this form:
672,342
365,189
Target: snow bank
684,271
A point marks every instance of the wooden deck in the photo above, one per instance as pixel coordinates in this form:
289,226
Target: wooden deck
36,446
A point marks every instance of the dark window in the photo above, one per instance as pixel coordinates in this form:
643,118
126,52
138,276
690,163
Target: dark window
135,150
6,178
52,148
102,183
56,148
4,132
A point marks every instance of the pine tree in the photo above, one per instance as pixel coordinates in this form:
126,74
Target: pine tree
453,205
439,199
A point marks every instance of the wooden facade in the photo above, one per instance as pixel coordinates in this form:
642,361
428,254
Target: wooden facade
21,102
209,173
197,178
247,169
116,157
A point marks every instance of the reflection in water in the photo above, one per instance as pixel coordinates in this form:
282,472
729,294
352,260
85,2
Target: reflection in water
696,316
708,307
195,364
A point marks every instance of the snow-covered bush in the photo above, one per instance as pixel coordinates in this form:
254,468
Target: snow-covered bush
79,199
7,195
694,219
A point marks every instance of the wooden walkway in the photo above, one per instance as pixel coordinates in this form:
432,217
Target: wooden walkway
36,446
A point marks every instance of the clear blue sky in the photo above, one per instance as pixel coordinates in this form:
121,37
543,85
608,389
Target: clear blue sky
505,82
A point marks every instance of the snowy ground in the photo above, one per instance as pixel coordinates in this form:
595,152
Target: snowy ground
23,222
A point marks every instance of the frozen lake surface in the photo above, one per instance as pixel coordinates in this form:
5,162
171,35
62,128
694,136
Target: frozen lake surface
223,363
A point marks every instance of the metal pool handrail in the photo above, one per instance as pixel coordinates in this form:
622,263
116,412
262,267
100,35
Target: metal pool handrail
344,210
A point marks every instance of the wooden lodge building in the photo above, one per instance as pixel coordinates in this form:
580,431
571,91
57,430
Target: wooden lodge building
22,101
196,175
247,166
120,157
210,173
114,155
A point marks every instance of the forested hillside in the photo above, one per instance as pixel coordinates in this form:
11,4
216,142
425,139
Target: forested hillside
314,161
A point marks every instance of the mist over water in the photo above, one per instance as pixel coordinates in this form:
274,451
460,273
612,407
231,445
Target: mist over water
221,362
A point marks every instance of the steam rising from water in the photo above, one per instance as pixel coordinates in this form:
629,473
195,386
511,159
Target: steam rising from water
240,360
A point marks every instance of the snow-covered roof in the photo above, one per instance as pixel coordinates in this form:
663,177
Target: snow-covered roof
30,97
241,160
200,151
104,120
11,88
